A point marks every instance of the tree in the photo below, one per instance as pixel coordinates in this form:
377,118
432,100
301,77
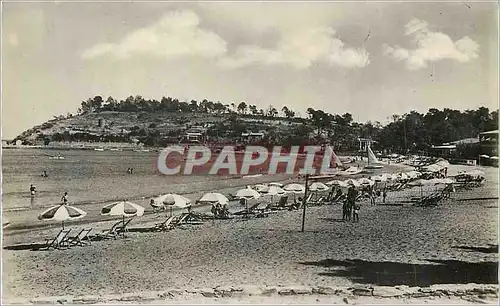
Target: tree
288,113
242,108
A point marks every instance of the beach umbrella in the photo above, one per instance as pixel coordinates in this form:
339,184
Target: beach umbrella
172,199
403,176
273,190
365,181
317,186
444,181
295,188
260,187
352,182
214,197
276,184
247,194
122,208
333,183
62,213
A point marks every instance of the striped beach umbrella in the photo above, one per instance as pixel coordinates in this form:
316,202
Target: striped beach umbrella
248,194
62,213
171,200
123,208
214,197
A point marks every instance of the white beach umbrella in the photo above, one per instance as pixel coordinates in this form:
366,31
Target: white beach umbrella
122,208
295,188
403,176
317,186
444,181
273,190
173,199
214,197
62,213
248,194
260,187
333,183
353,182
276,184
366,181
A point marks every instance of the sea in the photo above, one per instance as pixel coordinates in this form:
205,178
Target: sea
90,177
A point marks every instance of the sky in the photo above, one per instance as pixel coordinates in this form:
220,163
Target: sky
369,59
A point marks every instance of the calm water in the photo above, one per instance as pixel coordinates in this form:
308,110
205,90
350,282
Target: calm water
89,177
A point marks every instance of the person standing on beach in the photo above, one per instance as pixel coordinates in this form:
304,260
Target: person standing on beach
64,198
384,194
355,213
351,199
32,190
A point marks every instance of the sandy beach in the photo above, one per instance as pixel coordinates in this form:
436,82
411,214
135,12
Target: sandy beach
455,243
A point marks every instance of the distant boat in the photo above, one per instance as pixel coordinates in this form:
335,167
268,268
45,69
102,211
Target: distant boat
99,149
142,150
115,149
373,162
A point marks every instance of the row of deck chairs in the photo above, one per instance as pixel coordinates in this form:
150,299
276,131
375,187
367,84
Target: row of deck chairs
64,240
179,220
429,200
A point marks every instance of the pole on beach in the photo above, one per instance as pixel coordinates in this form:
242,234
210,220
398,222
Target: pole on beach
304,203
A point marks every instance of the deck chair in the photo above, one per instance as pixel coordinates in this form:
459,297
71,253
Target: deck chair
282,204
248,211
115,231
318,201
165,225
82,239
184,219
59,241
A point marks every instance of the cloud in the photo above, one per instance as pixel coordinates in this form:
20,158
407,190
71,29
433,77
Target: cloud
177,34
300,49
431,47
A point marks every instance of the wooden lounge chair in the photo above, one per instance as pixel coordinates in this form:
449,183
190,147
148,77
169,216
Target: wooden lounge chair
165,225
59,241
311,202
282,204
184,219
82,239
248,211
119,228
